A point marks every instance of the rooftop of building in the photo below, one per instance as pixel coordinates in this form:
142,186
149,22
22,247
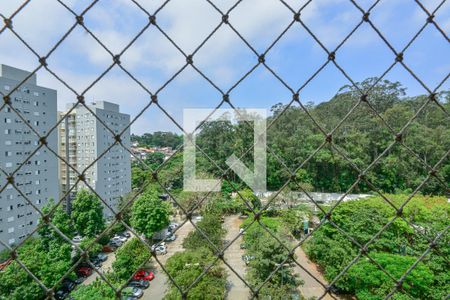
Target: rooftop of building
17,74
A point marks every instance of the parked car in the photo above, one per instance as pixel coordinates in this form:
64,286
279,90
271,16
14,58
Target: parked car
84,271
159,249
161,235
101,257
144,275
119,238
171,238
133,291
125,234
241,231
115,243
108,248
77,239
198,218
61,294
68,284
96,262
243,216
79,280
247,258
142,284
243,246
173,226
163,197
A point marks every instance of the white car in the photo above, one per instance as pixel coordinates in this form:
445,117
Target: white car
77,239
171,238
173,226
159,249
119,238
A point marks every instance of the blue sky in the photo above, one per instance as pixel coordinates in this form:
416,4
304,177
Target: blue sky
224,58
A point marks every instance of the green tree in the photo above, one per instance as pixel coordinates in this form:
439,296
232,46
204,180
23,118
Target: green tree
87,214
248,198
394,249
149,214
48,264
153,160
60,219
209,226
98,290
368,282
186,266
129,257
138,176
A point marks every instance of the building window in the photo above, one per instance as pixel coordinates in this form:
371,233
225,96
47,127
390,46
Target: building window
7,120
8,164
7,87
10,219
8,153
11,241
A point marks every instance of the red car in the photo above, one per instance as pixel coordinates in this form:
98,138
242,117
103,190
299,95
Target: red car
144,275
84,271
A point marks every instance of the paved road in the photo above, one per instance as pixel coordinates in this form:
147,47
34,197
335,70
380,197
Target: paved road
159,285
238,290
106,266
311,288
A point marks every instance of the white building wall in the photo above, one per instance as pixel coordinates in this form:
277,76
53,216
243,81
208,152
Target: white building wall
110,176
37,177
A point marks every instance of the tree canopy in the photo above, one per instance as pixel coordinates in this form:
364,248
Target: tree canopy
149,214
361,138
87,214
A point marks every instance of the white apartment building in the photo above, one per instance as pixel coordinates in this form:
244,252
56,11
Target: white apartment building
37,177
88,138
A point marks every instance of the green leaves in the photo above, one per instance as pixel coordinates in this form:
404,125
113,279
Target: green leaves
129,257
212,228
186,266
87,214
395,249
48,264
366,280
149,214
60,219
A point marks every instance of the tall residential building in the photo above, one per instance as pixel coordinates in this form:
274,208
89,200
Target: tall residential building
88,139
36,178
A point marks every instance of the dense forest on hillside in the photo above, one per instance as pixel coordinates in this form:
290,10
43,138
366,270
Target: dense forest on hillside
158,139
361,138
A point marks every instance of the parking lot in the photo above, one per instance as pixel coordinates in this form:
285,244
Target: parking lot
159,285
106,266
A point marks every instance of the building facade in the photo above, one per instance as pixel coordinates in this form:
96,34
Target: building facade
85,140
38,174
